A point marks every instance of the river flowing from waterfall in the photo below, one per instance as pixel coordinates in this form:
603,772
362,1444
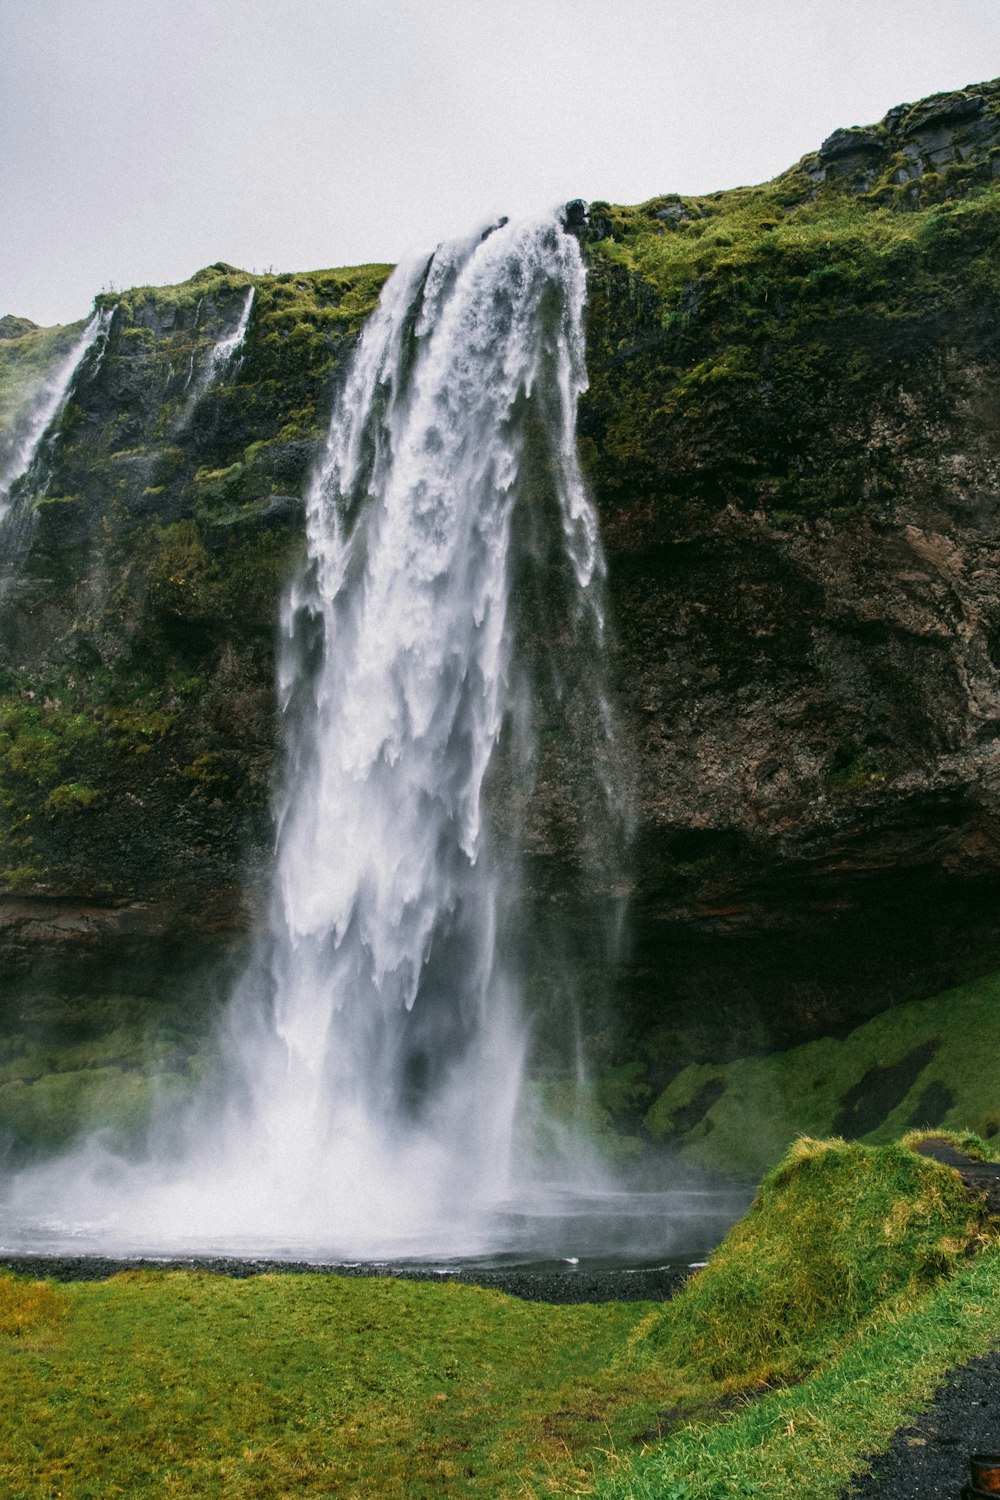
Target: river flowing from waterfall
372,1099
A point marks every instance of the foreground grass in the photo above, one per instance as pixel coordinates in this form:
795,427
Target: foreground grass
859,1275
185,1384
810,1439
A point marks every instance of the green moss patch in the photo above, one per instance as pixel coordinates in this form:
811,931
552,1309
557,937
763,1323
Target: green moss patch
25,361
924,1063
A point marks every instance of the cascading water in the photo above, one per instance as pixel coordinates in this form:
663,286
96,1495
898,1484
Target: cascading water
46,409
400,1018
370,1097
228,347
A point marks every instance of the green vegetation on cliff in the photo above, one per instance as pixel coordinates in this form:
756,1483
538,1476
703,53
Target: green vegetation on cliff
734,335
136,661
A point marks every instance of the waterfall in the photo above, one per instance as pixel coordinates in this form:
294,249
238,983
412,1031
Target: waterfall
375,1048
46,409
227,348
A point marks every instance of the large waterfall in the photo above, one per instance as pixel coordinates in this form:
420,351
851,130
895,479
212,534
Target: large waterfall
372,1096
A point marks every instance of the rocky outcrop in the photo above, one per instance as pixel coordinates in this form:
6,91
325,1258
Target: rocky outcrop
948,130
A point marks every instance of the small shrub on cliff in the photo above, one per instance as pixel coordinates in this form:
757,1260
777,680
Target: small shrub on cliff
71,797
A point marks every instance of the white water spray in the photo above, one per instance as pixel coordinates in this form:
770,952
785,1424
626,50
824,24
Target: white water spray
46,409
375,1049
227,349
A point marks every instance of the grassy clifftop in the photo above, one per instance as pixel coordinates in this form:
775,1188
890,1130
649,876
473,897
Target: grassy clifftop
755,319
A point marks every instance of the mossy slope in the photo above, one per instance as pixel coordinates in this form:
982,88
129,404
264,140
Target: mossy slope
836,1232
921,1064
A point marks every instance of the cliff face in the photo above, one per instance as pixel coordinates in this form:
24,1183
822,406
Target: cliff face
793,435
140,609
793,429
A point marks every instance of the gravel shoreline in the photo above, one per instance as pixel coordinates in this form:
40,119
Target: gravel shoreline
557,1284
929,1459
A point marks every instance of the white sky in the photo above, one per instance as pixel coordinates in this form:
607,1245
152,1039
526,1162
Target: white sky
143,139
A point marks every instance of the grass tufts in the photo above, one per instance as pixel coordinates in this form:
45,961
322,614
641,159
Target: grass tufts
836,1232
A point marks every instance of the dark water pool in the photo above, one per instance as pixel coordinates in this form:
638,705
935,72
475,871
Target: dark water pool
618,1246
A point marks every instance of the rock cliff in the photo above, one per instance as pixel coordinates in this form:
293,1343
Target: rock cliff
793,436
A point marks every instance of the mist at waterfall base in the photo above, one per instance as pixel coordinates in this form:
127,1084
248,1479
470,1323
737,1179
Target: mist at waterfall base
373,1098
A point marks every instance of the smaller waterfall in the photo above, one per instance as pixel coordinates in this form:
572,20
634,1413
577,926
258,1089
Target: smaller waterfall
47,408
225,352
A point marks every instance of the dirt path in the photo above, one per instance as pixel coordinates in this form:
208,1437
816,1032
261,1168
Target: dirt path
930,1458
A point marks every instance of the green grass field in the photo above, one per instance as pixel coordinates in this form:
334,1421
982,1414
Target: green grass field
831,1310
185,1384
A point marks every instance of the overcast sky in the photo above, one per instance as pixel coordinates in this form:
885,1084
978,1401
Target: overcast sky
143,139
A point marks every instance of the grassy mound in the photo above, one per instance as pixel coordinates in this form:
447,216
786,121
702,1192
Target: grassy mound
836,1307
810,1439
837,1232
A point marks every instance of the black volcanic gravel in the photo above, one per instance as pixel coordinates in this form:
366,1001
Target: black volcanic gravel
560,1284
931,1457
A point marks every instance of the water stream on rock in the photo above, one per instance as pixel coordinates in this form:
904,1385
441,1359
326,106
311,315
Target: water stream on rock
373,1100
228,347
45,410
